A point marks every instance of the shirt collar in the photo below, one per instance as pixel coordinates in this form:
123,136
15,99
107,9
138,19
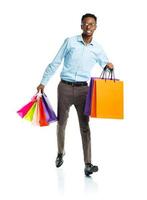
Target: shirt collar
80,39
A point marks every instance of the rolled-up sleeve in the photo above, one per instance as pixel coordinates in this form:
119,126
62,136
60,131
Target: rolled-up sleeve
52,67
102,58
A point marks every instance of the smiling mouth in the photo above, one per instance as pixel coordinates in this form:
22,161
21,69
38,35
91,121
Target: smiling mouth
88,31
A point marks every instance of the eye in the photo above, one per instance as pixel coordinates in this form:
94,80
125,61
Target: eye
88,24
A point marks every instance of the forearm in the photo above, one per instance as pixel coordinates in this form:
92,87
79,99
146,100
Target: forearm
49,71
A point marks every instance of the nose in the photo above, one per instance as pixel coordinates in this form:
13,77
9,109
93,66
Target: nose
88,26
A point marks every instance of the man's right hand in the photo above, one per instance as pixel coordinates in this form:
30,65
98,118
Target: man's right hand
40,88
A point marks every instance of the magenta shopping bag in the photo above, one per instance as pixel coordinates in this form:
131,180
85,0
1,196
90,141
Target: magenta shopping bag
23,111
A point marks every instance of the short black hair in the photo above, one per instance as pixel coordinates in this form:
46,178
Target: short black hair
89,15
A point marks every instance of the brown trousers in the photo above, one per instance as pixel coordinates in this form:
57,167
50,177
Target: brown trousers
67,96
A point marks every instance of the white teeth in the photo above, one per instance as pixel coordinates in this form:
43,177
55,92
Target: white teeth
89,31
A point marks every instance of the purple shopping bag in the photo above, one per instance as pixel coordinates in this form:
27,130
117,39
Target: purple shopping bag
50,114
87,110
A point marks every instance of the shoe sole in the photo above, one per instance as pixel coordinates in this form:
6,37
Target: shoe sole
88,173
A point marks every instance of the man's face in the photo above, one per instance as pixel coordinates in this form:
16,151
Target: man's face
88,26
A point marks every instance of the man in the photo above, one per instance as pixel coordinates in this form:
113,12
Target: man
80,54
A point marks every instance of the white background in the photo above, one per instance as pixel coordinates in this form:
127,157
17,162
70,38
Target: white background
31,33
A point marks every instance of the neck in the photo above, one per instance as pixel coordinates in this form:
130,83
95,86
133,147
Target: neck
87,39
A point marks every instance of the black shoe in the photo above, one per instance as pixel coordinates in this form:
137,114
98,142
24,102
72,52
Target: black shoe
59,159
89,169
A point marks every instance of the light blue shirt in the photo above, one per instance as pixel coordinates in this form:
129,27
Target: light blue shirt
79,60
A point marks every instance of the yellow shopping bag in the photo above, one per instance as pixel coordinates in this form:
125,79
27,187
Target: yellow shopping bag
30,113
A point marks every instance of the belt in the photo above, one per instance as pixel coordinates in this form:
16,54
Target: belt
75,83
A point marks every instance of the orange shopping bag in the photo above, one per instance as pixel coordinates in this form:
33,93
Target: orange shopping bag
106,98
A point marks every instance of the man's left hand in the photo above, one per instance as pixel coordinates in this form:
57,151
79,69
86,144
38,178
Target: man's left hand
110,66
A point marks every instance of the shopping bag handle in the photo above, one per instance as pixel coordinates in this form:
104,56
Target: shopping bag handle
111,75
39,93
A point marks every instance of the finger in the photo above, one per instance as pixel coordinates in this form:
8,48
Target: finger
42,90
